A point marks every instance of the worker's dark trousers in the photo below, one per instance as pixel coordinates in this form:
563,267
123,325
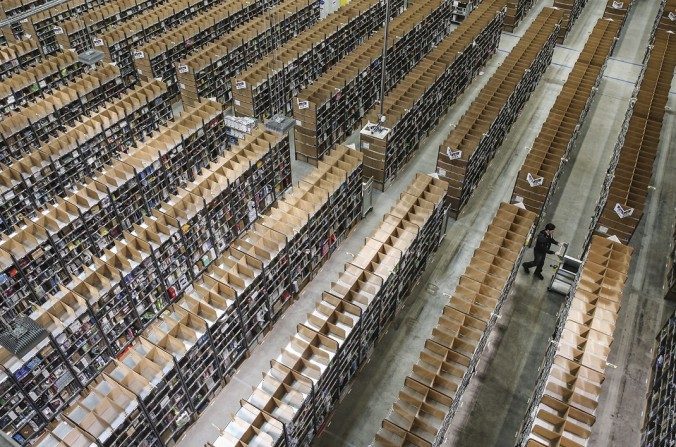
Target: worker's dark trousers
538,262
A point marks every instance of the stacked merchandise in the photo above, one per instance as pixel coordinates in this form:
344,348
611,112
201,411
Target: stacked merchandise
18,56
293,401
62,240
153,389
516,11
23,87
562,410
118,42
55,168
660,425
433,390
571,11
45,25
42,382
422,97
539,174
27,128
77,32
162,52
327,110
267,87
623,198
464,156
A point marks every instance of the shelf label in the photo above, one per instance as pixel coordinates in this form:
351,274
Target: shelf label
138,54
623,212
303,104
182,68
239,85
534,181
453,155
618,5
672,16
98,42
58,30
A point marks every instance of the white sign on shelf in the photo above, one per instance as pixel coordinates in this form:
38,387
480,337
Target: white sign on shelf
622,211
182,68
453,155
534,181
618,5
303,104
138,54
98,42
239,85
58,30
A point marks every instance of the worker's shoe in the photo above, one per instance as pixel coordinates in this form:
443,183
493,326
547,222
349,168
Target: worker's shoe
539,276
525,268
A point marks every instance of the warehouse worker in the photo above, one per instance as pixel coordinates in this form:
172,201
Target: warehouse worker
541,249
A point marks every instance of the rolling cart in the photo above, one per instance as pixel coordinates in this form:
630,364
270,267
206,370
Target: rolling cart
567,269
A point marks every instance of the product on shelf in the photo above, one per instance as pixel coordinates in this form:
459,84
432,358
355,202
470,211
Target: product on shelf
466,153
327,110
310,375
71,156
27,128
539,174
426,404
268,86
25,86
562,410
45,25
77,32
415,105
62,241
118,42
18,56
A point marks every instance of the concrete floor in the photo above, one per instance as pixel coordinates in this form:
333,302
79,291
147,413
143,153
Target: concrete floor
495,402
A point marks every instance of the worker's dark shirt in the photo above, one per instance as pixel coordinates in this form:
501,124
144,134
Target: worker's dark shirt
544,242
